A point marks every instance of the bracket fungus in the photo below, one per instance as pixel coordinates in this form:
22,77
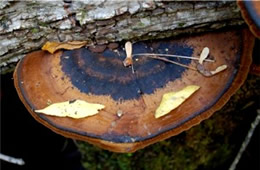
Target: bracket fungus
250,11
127,122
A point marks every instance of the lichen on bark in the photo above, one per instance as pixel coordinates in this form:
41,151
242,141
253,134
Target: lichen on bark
26,25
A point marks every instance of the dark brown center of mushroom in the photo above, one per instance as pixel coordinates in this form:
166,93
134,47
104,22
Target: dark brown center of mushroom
104,73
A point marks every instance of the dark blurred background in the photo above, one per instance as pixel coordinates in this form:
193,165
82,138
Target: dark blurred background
23,137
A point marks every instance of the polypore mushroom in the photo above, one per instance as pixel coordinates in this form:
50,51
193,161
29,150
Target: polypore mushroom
127,123
250,11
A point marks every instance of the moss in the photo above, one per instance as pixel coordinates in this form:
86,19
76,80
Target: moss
210,145
42,24
138,25
125,34
31,4
181,24
8,70
3,21
82,16
35,30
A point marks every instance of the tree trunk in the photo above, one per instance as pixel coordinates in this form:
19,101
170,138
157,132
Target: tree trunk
26,26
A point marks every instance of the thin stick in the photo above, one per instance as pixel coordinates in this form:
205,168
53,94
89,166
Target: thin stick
133,70
170,55
246,141
173,62
10,159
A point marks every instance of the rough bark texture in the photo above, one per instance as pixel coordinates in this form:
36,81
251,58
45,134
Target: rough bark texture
26,26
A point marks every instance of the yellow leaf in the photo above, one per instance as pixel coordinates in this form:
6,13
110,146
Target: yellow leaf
172,100
75,109
54,46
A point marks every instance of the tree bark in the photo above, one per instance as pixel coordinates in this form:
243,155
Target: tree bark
26,26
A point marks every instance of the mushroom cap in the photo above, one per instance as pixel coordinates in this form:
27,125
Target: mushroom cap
250,11
128,123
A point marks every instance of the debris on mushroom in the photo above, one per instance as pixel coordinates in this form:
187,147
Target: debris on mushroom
204,54
51,47
74,109
49,102
173,62
209,73
172,100
202,58
171,56
202,70
128,60
218,69
119,113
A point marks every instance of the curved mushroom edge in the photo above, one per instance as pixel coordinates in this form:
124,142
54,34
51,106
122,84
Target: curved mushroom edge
127,144
250,15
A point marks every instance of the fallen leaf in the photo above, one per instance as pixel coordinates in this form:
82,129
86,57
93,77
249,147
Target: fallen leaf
74,109
204,54
54,46
172,100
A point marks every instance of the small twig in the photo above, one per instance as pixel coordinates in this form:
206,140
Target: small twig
128,60
75,142
170,55
133,70
173,62
246,141
10,159
65,145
